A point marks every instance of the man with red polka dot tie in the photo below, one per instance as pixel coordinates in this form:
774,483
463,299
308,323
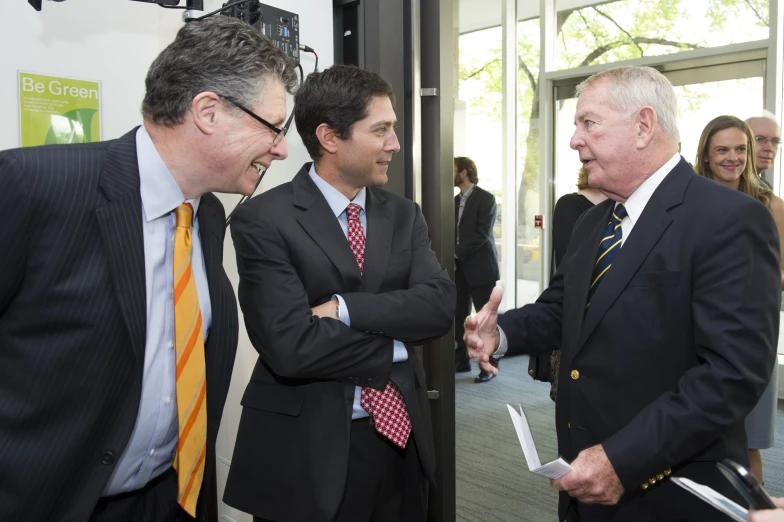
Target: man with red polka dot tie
337,284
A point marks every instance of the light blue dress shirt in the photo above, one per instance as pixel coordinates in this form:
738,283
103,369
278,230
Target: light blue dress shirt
151,449
338,203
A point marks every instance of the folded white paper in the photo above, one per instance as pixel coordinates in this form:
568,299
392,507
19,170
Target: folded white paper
555,469
714,498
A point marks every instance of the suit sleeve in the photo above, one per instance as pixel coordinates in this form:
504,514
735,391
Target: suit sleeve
425,310
483,233
536,328
289,339
14,215
735,312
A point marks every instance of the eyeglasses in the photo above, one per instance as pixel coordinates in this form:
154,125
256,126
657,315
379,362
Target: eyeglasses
277,130
762,140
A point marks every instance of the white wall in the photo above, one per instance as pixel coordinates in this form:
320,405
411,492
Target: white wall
115,41
109,40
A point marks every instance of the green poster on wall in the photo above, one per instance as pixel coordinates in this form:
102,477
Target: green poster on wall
56,110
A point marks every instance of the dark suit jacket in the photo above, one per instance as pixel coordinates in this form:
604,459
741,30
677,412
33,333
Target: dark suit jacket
679,340
477,250
291,455
73,324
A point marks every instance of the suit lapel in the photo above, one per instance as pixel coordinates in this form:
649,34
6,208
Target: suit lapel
210,237
457,209
378,243
120,220
649,228
325,232
581,273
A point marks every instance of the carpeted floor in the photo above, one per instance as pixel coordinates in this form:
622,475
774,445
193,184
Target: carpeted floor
493,481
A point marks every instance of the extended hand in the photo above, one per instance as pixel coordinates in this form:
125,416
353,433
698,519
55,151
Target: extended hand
593,480
769,515
326,310
481,332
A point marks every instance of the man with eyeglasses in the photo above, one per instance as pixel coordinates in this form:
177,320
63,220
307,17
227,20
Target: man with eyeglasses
118,324
767,135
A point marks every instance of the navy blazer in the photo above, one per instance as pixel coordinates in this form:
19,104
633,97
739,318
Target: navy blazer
476,249
676,347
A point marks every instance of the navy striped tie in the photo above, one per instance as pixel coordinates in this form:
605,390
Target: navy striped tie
608,248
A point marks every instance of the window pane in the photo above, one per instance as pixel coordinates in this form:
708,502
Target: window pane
529,240
626,29
478,129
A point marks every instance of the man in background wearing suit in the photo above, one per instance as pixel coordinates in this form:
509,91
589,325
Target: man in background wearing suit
665,309
337,283
118,325
476,258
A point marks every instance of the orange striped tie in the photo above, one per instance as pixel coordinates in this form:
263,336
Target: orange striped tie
191,383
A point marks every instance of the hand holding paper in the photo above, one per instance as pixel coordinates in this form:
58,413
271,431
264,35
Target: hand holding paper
593,480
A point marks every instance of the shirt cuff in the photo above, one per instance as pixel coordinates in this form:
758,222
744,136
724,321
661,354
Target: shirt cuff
342,311
503,345
400,353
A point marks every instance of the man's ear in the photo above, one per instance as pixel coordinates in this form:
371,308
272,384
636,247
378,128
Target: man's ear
645,124
204,111
327,137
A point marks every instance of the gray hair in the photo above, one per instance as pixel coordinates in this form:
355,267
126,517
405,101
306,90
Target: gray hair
766,115
219,54
632,88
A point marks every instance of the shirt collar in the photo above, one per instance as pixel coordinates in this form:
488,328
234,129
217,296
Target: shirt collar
160,193
640,197
468,192
336,201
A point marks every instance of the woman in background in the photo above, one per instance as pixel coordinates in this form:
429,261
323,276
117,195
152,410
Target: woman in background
726,154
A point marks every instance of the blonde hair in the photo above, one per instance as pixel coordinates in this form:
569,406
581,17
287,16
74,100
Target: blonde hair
582,179
749,182
632,88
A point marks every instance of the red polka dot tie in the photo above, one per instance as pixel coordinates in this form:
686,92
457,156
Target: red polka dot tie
387,407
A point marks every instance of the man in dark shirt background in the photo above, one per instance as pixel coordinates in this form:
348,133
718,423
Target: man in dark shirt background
476,259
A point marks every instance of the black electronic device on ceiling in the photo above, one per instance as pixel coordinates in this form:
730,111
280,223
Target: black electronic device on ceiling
163,3
282,27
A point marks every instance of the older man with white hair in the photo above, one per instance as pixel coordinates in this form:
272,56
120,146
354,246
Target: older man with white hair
767,135
665,309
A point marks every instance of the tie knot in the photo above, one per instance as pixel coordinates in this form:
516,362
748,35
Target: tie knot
184,215
353,211
620,212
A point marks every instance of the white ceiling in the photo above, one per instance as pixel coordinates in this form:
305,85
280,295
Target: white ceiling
481,14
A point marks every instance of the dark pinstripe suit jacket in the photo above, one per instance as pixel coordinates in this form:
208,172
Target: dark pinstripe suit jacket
73,324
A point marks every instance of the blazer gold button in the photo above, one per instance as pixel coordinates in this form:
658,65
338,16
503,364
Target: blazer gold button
660,477
569,425
530,372
652,481
667,472
575,375
644,485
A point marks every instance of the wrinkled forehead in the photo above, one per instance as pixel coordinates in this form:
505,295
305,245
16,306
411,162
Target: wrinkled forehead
765,127
593,99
